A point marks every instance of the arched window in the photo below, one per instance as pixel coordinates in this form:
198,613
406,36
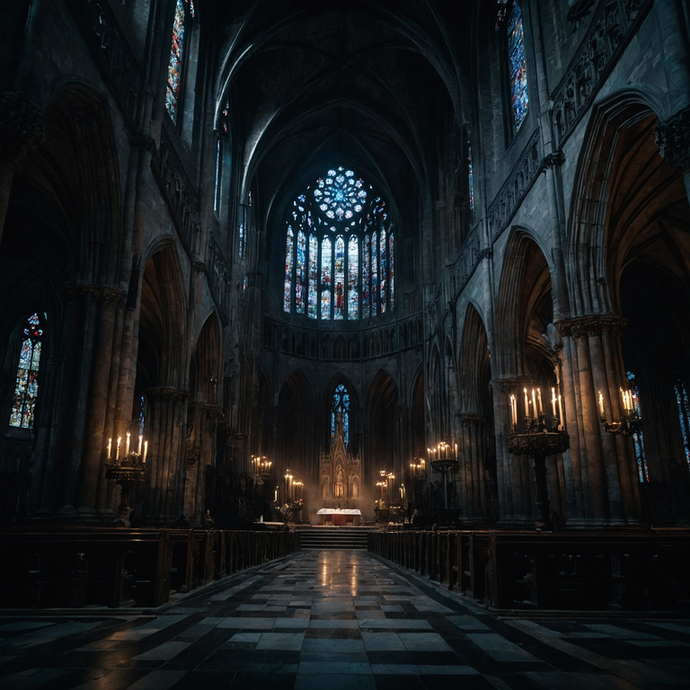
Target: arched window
340,412
515,46
184,13
353,275
26,386
683,401
637,435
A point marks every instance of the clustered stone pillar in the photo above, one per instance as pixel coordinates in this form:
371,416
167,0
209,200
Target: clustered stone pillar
607,474
473,478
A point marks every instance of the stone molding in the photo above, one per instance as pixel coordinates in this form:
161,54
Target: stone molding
218,276
22,127
512,384
515,188
166,394
612,26
672,136
472,418
591,325
178,191
107,294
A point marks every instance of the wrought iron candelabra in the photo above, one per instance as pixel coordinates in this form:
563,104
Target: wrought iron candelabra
444,459
127,471
630,421
538,439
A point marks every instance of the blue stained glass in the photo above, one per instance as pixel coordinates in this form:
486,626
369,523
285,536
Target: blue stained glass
683,401
500,13
340,194
366,308
313,276
287,291
391,259
383,265
172,92
26,384
638,436
374,274
301,272
340,410
353,278
326,278
518,73
339,296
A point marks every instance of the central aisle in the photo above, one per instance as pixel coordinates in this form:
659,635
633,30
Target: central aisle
336,620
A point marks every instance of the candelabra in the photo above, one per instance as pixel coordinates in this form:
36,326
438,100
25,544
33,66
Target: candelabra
418,469
443,458
126,470
630,421
262,468
539,438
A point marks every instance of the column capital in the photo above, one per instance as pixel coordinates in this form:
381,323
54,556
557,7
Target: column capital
672,136
594,324
22,126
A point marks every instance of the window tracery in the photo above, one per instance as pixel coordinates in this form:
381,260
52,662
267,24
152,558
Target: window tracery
184,11
23,408
352,276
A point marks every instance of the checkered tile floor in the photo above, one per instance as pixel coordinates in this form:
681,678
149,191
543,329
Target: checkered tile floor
338,619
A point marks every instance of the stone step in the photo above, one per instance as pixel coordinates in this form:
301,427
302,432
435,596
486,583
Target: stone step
333,537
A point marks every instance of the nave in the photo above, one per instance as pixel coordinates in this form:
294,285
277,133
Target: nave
336,619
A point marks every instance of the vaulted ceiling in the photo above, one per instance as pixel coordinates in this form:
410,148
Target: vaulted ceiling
362,84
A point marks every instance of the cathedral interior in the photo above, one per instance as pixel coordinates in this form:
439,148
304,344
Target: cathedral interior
422,261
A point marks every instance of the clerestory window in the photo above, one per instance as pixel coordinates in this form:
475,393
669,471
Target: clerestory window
23,408
184,14
339,251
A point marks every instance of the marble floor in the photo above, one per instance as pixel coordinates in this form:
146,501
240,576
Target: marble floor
332,620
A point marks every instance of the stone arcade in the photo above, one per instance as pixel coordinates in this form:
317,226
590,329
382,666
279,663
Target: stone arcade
258,254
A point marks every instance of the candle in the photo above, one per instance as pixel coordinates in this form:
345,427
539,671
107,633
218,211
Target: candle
512,410
601,404
560,412
526,404
553,401
117,452
110,445
630,400
541,410
534,405
146,449
275,495
127,445
141,438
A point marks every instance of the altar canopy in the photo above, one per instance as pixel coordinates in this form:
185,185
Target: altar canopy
340,471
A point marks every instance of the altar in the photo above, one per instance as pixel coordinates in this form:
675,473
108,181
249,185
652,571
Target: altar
339,516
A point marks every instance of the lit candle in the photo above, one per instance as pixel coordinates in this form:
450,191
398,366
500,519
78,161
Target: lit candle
275,495
534,405
127,445
630,400
541,410
146,450
117,451
553,401
526,404
141,438
560,412
512,410
110,445
601,404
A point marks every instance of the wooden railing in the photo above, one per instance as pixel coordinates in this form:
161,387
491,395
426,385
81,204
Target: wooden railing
583,570
76,567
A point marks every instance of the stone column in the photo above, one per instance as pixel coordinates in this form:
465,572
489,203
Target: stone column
165,431
610,494
474,465
21,128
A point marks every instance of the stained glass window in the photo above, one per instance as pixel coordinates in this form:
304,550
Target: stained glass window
245,285
340,411
287,293
344,232
374,274
470,174
339,297
353,278
313,275
518,74
300,272
340,194
172,91
366,282
500,13
683,400
391,259
326,278
26,385
637,435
